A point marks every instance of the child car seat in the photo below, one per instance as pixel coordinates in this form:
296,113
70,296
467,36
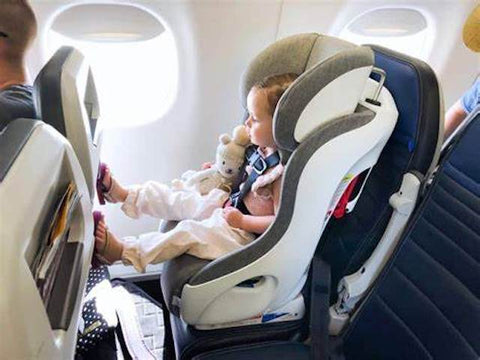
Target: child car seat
321,124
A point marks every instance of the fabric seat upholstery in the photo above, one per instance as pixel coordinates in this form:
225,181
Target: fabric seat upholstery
427,303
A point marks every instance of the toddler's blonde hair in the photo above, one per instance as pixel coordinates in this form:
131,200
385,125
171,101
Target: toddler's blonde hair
275,85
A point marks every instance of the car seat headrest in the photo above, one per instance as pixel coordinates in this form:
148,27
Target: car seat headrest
293,54
328,90
332,79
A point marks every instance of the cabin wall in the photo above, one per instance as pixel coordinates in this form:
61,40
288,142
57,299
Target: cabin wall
456,66
215,41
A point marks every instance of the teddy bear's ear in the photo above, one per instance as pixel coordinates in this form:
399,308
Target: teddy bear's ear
240,135
224,139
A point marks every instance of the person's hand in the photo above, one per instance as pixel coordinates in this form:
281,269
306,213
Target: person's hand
233,217
206,165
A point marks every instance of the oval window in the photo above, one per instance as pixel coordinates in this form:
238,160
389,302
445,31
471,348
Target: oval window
132,55
401,29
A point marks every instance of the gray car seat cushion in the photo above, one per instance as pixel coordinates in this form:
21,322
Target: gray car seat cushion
175,274
293,54
285,56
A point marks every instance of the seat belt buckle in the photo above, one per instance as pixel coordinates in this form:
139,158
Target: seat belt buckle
232,200
263,166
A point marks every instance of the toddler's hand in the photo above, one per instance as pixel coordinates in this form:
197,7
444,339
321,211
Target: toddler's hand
206,165
233,217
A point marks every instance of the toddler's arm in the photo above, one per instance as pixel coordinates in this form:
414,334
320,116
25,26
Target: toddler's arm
256,224
250,223
259,224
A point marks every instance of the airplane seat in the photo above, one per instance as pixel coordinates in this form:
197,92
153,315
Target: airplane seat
39,315
321,127
40,159
425,304
66,98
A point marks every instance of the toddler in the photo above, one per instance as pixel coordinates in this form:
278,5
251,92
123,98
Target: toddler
213,224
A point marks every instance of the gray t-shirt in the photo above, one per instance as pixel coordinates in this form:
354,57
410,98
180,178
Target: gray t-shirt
16,101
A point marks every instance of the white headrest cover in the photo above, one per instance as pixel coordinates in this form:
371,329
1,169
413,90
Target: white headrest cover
328,90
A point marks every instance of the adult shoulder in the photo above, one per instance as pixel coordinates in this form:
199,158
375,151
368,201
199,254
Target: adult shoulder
16,102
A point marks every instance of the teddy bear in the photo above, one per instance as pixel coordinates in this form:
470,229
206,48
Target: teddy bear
223,173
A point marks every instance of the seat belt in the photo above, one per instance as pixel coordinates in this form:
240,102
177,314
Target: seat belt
319,309
259,166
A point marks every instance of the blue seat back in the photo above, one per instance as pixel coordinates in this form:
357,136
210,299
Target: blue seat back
426,304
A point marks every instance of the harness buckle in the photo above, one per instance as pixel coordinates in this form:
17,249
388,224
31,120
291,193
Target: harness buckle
263,163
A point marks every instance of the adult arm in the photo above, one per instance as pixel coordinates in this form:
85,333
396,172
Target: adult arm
454,117
464,106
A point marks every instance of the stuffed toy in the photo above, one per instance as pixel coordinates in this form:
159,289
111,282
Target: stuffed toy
224,172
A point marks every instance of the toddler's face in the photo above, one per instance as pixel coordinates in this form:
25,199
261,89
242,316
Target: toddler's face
259,122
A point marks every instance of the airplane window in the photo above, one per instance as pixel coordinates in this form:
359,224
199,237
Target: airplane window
401,29
134,63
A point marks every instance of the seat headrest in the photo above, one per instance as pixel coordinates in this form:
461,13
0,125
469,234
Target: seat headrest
67,68
328,90
416,90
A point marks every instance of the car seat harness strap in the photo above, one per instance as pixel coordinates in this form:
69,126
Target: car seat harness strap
259,166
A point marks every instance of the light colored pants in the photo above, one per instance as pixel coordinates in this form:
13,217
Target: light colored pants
202,230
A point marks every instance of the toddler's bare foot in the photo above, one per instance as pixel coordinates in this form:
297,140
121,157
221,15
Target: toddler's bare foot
113,191
107,245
